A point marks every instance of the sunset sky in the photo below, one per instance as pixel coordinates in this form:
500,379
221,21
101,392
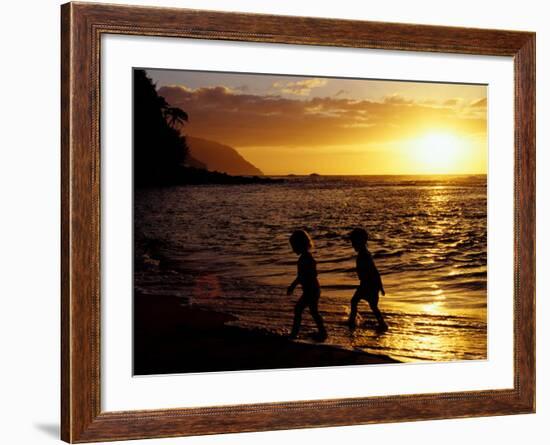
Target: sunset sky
301,125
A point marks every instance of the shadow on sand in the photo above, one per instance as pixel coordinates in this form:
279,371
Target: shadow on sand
170,339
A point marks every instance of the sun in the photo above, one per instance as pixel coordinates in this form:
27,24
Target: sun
437,152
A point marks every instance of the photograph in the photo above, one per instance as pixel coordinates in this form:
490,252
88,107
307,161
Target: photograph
285,221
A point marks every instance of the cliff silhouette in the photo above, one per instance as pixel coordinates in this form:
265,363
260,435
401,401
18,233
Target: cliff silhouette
220,157
162,152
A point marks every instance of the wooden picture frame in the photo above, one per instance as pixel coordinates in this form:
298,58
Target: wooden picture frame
83,24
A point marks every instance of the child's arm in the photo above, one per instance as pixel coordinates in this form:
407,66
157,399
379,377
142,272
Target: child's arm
377,277
292,286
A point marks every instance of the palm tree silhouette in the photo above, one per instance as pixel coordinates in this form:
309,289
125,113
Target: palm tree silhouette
175,116
160,148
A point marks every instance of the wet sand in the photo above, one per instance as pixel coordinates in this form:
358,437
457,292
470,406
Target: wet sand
170,338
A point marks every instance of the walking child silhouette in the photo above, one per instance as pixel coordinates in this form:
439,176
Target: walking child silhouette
301,244
370,282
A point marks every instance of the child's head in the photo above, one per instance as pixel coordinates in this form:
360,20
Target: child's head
300,241
358,238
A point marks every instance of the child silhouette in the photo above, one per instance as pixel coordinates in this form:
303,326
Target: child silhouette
301,244
370,283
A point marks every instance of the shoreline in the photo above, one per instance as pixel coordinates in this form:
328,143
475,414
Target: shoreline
170,338
197,176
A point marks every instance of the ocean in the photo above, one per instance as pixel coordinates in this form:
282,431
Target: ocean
225,248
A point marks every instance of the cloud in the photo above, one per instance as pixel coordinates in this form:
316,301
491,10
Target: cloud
480,103
300,87
397,99
242,119
452,102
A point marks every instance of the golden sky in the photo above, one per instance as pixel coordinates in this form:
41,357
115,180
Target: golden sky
301,125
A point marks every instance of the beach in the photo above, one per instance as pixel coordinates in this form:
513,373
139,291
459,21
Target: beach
171,338
225,249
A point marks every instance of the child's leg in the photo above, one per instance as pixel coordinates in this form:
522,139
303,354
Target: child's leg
353,311
373,303
314,310
298,309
